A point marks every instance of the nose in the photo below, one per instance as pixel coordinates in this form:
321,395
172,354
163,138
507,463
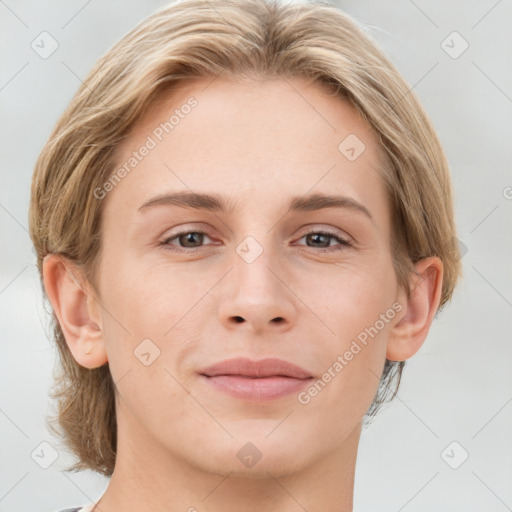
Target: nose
258,296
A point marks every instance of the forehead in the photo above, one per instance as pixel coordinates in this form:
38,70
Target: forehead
262,136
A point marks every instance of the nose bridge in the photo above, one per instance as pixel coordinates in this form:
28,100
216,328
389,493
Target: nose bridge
257,242
256,262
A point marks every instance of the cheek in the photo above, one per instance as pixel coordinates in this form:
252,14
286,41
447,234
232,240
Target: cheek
148,301
142,332
149,316
350,297
356,309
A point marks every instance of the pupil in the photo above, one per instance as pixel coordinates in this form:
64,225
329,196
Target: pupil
189,237
317,236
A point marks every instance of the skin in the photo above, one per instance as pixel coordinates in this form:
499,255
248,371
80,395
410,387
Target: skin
256,143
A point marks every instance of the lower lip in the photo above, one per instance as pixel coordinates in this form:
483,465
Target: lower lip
257,389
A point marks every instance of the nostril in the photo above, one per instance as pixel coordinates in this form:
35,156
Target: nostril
239,319
278,319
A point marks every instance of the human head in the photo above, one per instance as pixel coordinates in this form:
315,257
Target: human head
261,40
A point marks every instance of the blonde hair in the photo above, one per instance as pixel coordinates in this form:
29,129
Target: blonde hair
254,38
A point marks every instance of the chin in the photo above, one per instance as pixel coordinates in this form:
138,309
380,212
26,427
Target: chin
254,456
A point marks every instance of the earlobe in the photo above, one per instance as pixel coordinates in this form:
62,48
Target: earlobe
76,310
409,333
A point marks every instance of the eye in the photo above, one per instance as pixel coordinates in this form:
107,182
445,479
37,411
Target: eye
322,240
187,239
192,240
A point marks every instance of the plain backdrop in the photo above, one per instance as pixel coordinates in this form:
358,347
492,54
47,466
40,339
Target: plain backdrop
455,399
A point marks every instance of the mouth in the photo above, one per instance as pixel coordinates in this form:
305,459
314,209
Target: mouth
257,381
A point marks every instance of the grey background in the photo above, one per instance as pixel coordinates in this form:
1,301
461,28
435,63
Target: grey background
456,388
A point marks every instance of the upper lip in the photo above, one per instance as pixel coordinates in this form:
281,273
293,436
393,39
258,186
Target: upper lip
269,367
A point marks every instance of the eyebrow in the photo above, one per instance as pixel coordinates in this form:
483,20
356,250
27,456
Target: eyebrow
216,203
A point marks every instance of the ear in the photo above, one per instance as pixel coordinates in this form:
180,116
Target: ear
409,333
76,309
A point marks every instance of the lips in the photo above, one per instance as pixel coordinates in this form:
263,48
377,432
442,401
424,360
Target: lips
256,381
244,367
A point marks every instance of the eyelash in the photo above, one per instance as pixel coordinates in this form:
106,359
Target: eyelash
190,250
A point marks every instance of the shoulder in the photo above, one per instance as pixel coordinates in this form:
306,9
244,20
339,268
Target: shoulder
87,508
83,508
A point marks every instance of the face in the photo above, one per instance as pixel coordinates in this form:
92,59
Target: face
266,270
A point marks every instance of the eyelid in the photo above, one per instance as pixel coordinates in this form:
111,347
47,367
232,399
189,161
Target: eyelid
186,228
313,228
